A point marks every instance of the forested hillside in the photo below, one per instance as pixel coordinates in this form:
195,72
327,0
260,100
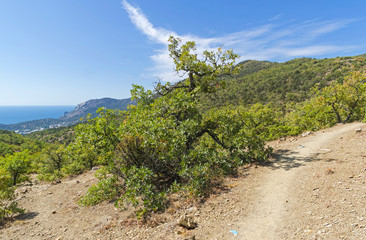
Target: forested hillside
292,81
63,135
11,142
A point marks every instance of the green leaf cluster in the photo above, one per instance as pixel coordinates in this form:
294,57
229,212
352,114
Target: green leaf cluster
16,165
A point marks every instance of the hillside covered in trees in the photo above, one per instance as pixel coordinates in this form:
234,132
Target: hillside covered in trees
291,81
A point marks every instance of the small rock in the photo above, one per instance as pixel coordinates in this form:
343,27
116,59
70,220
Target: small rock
306,134
192,210
358,130
95,168
54,212
187,222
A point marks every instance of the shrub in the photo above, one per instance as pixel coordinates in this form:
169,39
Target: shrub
8,207
165,143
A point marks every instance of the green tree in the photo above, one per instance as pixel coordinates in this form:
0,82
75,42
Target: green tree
310,115
17,165
95,141
53,157
165,143
347,99
8,206
50,162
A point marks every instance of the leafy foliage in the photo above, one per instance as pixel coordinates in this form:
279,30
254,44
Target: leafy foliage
106,189
51,162
11,142
60,135
8,207
346,100
336,103
94,141
16,165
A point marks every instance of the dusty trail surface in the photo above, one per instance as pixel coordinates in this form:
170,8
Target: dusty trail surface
274,196
314,188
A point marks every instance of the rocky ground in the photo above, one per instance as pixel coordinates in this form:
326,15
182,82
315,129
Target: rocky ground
313,188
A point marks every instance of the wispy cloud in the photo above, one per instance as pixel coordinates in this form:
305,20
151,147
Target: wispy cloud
266,42
278,16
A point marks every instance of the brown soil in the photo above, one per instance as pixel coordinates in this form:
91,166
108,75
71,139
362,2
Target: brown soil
314,188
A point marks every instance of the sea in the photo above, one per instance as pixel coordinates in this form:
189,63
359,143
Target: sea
17,114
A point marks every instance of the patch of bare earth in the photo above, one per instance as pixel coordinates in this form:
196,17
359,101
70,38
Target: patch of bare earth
314,188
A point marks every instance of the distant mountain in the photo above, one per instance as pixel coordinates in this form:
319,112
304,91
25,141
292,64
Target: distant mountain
91,106
70,118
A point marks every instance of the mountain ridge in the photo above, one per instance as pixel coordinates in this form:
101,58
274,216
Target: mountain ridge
69,118
281,83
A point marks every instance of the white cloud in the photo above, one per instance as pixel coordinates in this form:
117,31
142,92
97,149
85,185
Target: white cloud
159,35
266,42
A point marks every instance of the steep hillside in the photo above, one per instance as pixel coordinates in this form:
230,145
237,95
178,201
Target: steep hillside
290,81
92,106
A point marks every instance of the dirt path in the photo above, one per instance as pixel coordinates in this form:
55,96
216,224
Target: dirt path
273,195
314,188
294,197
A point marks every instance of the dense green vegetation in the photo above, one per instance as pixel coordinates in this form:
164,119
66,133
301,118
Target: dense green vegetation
280,83
8,206
63,135
11,142
184,137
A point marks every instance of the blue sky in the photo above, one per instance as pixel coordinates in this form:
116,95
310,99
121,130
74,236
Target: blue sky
66,52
